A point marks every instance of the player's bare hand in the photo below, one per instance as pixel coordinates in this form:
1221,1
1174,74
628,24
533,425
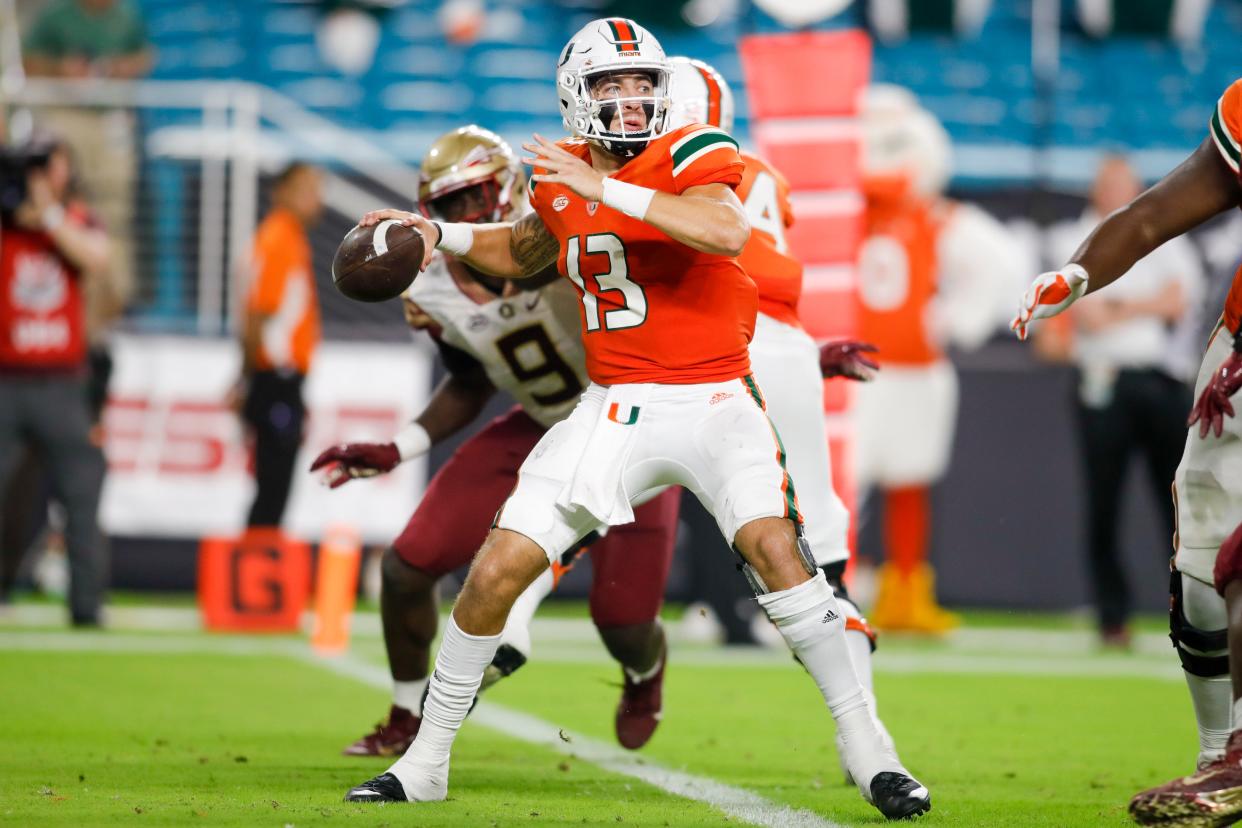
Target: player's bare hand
350,460
563,167
1048,295
1214,405
415,317
428,229
847,358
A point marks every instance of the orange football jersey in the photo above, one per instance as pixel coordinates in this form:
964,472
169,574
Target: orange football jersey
653,309
897,279
1226,129
764,193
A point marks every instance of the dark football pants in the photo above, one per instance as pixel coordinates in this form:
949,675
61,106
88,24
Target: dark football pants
275,413
51,414
1146,415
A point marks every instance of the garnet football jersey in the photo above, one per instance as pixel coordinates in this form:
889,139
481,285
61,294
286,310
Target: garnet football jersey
529,343
1226,129
653,309
764,193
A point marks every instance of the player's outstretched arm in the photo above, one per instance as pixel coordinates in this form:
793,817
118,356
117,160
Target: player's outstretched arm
485,247
1199,188
708,217
453,405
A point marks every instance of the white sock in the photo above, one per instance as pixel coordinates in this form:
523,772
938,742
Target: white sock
423,770
409,694
1212,700
812,623
1212,697
860,655
637,677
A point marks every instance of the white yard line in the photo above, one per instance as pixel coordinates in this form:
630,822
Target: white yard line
1001,651
738,803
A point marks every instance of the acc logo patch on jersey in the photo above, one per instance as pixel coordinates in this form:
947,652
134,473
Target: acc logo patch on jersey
560,203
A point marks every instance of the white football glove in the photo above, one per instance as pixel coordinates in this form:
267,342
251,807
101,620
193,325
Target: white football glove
1048,295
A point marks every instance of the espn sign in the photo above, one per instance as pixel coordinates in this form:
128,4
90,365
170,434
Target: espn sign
178,463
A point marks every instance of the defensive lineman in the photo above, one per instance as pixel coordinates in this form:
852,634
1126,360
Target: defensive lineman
644,222
1206,610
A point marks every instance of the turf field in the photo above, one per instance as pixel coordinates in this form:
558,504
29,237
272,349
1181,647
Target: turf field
1009,724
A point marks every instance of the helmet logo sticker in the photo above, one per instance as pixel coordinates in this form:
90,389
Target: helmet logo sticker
477,155
624,36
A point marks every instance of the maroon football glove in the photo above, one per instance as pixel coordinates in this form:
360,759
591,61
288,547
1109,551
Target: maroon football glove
350,460
847,358
1213,404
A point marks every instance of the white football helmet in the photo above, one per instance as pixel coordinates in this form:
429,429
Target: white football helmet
902,140
699,95
612,46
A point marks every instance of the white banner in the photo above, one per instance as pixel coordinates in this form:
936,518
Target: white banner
178,466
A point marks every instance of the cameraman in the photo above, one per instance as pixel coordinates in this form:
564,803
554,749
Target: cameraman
49,247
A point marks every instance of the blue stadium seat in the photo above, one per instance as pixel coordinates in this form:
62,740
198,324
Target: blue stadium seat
983,88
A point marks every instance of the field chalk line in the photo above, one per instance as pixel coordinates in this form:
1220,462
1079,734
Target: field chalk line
737,803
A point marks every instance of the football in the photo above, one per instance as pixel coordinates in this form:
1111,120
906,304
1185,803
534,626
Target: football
373,264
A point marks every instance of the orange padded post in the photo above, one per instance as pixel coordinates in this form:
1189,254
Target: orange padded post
336,588
804,90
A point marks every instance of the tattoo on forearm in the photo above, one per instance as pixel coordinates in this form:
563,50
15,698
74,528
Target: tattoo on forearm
532,245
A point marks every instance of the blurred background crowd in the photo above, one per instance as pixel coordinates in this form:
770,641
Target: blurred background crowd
185,161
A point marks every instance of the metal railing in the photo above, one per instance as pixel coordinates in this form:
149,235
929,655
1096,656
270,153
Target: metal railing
202,152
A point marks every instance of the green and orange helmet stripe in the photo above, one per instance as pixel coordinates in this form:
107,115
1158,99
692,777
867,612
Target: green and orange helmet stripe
624,35
713,93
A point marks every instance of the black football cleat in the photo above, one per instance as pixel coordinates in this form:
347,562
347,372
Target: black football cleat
383,788
899,796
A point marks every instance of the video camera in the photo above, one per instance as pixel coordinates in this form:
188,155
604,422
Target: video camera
16,164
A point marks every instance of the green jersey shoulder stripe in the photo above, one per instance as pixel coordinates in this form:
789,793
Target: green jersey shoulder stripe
698,144
1224,141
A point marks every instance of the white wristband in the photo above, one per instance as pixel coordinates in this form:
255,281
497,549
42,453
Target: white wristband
412,441
628,198
53,217
456,238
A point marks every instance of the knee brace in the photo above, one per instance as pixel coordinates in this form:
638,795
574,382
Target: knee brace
1197,622
1228,562
854,618
804,554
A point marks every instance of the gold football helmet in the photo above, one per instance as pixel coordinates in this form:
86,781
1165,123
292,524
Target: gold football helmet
471,174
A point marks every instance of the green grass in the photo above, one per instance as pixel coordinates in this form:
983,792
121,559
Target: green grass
101,738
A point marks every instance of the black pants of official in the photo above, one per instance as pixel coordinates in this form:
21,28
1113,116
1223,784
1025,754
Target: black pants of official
51,413
1145,416
23,507
275,413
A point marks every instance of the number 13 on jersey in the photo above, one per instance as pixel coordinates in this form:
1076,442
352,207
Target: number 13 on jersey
632,307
